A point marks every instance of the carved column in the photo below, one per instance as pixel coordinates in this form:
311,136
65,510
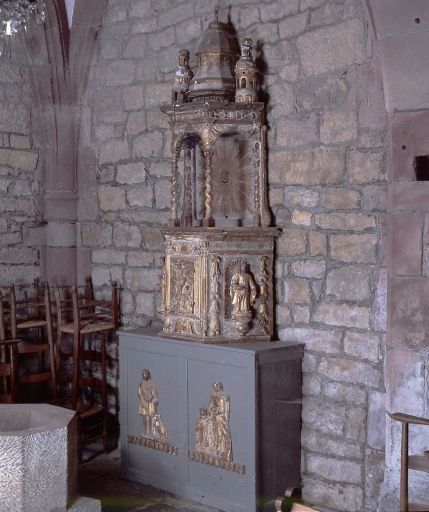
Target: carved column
194,183
187,189
174,220
265,212
208,220
256,184
215,296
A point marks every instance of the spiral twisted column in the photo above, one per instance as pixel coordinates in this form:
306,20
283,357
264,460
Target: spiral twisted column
257,184
174,220
208,220
187,192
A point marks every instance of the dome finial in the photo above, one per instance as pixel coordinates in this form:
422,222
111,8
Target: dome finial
216,57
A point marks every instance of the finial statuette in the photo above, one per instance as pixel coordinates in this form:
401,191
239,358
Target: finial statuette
182,79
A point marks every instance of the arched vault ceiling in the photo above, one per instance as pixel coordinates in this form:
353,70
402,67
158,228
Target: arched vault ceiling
70,9
402,29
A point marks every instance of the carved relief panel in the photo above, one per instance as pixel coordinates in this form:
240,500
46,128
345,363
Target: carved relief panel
218,285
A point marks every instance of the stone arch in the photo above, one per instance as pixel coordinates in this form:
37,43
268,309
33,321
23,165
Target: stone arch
402,38
61,116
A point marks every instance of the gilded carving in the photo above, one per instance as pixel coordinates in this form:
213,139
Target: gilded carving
263,293
154,444
213,434
215,295
164,284
184,326
213,441
243,296
219,202
215,461
182,286
153,425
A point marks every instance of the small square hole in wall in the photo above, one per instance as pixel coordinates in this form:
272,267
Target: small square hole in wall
421,167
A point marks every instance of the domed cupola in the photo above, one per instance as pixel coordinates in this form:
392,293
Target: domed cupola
246,75
216,54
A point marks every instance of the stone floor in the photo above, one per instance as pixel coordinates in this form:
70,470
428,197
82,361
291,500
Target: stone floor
100,478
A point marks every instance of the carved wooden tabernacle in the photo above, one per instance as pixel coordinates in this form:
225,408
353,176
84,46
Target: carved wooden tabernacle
218,283
218,272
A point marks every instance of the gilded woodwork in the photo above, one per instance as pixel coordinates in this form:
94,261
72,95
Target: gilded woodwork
206,296
154,427
217,277
154,444
213,440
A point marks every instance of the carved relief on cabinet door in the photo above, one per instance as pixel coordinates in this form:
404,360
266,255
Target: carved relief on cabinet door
154,430
213,439
182,286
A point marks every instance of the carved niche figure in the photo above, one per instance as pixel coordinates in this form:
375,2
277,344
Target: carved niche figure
153,426
213,434
186,297
243,295
182,283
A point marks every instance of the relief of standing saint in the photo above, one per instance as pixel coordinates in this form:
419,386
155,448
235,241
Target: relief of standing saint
186,298
153,426
242,291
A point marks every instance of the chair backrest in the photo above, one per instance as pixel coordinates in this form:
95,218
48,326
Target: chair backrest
8,369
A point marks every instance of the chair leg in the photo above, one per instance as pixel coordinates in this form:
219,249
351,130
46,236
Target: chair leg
103,342
403,503
13,372
50,336
76,367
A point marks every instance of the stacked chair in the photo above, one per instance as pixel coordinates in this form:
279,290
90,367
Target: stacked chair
8,366
92,324
31,319
45,336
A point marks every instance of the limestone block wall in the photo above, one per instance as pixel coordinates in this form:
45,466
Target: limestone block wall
327,179
19,176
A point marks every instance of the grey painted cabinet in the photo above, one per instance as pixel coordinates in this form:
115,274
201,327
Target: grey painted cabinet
263,383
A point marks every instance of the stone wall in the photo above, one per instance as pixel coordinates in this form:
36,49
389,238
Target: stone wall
327,191
19,175
401,35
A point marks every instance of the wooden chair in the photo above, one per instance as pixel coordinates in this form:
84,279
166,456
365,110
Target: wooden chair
93,321
416,462
34,314
8,367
